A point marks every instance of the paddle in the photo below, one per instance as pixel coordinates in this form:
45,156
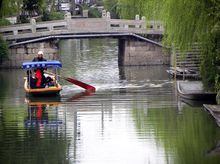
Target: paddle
76,82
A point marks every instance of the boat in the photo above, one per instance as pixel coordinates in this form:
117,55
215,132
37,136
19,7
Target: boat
181,73
196,103
44,90
214,110
194,90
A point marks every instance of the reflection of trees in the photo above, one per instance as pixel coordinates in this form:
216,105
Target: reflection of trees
186,137
3,87
29,145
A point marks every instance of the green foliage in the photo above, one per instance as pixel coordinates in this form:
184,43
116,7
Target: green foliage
9,7
94,13
56,16
185,23
185,135
208,70
211,61
3,49
111,6
46,16
149,8
4,22
99,2
127,8
52,16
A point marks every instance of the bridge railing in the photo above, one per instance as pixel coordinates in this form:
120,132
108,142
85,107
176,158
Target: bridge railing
80,25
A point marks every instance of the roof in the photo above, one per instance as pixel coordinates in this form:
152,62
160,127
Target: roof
41,64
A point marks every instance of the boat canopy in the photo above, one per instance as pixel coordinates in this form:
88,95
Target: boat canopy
42,64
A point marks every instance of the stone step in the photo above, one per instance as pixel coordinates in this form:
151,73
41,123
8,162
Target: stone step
188,62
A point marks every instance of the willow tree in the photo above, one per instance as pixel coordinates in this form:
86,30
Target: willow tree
111,6
9,7
129,8
190,21
186,22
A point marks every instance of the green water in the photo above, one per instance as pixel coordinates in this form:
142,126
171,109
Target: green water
135,116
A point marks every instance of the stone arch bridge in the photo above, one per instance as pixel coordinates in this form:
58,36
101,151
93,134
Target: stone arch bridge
134,49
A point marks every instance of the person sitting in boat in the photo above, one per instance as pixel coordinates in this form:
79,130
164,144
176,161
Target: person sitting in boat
49,82
31,80
40,79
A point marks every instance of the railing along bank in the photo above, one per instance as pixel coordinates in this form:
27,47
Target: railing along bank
80,25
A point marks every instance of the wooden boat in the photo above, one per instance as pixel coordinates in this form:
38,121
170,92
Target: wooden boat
50,100
196,103
214,110
194,90
45,90
180,73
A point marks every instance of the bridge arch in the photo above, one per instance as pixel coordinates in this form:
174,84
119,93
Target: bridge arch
133,49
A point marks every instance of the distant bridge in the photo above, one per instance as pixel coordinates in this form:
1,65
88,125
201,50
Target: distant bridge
133,49
80,26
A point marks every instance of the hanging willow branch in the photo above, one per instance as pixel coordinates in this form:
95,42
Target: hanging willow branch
185,22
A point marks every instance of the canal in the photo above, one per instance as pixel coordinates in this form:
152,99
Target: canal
135,116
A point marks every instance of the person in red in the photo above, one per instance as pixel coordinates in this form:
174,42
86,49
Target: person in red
40,79
38,76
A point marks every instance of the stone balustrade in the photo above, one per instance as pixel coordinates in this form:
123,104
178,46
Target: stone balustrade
80,25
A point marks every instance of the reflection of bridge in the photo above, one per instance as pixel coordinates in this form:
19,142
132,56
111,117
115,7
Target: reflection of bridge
26,39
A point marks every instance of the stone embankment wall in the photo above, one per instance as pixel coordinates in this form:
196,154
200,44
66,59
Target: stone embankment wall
23,53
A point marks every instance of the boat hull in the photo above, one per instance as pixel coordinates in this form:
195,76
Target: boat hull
51,91
194,94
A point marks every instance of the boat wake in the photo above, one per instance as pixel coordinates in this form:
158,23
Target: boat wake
71,89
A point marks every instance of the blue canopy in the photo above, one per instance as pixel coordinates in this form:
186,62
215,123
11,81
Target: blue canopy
42,64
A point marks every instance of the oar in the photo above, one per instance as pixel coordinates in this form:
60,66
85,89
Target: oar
76,82
79,83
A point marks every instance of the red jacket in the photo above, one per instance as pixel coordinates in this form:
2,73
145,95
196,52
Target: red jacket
38,76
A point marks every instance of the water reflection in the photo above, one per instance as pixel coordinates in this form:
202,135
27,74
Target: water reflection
139,73
179,133
27,138
134,116
42,115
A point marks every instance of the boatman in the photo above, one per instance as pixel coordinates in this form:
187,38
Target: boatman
39,57
39,73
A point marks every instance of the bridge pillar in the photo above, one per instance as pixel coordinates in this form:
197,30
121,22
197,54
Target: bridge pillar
22,53
138,53
33,25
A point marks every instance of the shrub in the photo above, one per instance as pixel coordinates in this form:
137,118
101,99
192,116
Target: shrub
23,19
94,13
4,22
3,49
56,16
52,16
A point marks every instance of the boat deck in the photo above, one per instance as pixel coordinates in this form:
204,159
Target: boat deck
192,87
194,90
